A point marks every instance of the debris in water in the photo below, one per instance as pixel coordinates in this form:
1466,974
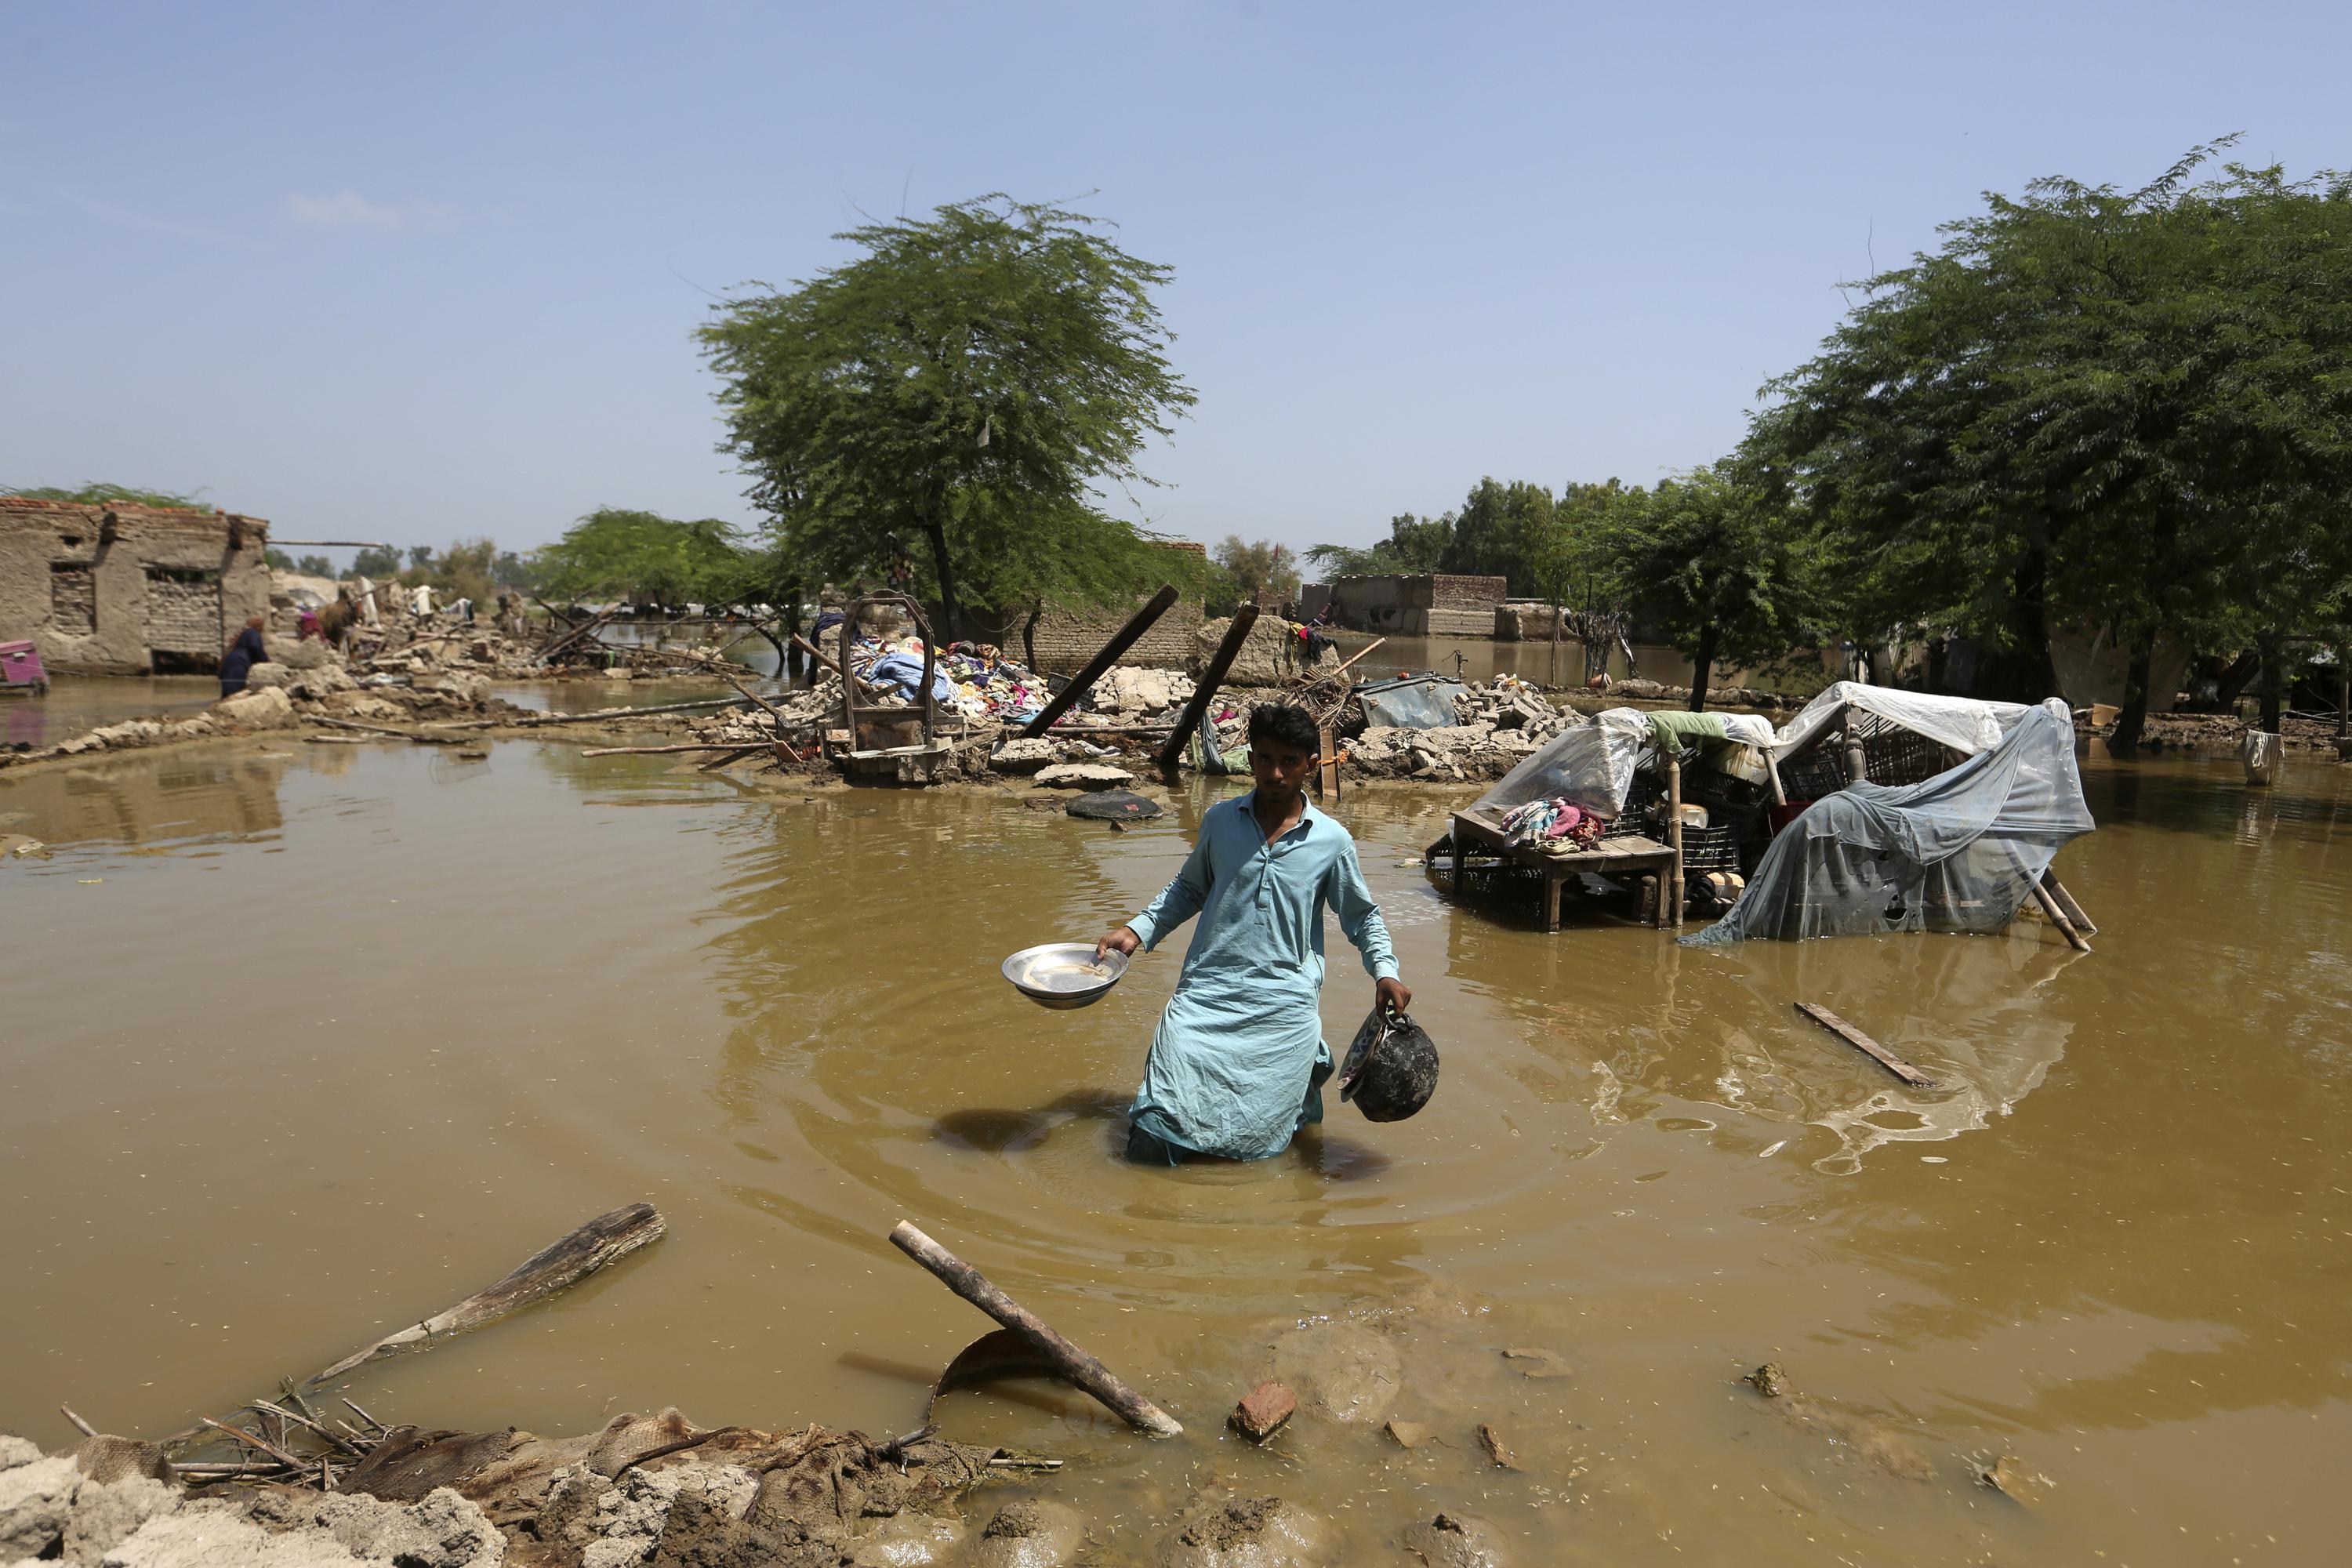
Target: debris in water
1407,1433
1496,1448
1261,1413
1540,1362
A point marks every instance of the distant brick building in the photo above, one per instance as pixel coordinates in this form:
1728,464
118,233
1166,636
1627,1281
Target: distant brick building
1434,604
119,589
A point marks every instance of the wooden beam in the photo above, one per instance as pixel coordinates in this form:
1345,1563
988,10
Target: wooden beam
2065,901
1211,678
1864,1044
1067,1359
1108,654
2057,917
1674,836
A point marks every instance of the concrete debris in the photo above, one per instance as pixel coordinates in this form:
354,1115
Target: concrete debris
1084,777
1131,693
1021,755
1407,1433
256,707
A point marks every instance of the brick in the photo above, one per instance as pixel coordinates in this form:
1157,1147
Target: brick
1261,1415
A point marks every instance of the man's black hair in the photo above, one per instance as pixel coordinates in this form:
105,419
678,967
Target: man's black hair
1279,724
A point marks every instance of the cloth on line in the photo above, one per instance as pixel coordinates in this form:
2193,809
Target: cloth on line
1238,1060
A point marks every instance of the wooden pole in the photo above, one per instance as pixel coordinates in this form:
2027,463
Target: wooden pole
1211,678
1327,764
2057,917
1864,1044
1108,654
2066,901
382,730
1857,766
534,719
1072,1362
1674,832
1772,770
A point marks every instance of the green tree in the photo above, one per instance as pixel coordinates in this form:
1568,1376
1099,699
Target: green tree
1415,545
1498,529
972,381
614,553
2112,411
95,494
1263,565
381,565
1717,566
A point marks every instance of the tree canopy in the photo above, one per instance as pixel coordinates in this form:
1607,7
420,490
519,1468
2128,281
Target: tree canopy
2115,411
1253,568
100,494
972,381
1414,545
615,552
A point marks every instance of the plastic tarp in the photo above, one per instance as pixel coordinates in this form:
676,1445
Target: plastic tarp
1417,703
1958,853
1963,723
1591,765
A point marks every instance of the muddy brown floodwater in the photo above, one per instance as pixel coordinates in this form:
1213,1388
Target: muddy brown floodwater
304,1042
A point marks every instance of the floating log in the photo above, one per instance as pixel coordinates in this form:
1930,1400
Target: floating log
1864,1044
603,1240
1066,1359
1108,654
1211,678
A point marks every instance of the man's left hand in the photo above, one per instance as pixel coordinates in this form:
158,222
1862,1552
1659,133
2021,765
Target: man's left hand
1391,996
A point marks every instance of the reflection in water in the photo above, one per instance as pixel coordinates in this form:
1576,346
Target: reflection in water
375,1025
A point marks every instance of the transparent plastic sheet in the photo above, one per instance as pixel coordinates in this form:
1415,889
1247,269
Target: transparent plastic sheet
1422,702
1591,765
1958,853
1963,723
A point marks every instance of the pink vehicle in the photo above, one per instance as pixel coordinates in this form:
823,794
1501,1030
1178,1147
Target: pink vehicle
20,669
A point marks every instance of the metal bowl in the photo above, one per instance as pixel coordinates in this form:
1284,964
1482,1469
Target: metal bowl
1064,974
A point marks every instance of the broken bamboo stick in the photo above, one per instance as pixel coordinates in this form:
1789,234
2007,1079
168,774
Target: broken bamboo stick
601,713
1104,656
1072,1362
84,1428
2065,901
2057,917
656,750
603,1240
242,1436
1211,678
1864,1044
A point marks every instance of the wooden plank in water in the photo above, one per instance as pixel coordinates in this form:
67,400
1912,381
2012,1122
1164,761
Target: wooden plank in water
1864,1044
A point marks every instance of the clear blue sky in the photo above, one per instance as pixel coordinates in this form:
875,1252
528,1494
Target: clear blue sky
416,272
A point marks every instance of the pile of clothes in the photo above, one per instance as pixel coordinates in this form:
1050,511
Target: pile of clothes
1555,826
972,679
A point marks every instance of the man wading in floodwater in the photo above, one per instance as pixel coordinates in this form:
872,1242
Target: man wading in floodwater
1238,1063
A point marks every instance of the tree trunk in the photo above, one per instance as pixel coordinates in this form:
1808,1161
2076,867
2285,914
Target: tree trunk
2273,678
1939,652
949,629
1704,666
1029,635
2133,720
2232,682
2023,673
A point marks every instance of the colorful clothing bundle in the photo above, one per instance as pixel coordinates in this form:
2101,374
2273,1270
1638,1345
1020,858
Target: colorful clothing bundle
1555,824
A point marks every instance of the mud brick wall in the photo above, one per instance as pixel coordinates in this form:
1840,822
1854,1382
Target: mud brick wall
1067,639
184,616
100,590
1454,592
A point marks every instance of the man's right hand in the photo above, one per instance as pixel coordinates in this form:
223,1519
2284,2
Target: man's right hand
1124,941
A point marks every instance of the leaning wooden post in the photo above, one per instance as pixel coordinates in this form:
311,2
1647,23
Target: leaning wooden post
1071,1362
1857,766
1211,678
1120,641
2057,917
1674,831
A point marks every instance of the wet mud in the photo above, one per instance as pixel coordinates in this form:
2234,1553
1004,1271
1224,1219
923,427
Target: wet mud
304,1042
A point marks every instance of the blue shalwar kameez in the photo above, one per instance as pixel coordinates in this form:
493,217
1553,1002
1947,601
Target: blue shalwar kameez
1238,1062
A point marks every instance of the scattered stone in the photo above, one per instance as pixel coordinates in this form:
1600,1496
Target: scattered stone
265,708
1115,806
1263,1410
1084,776
1538,1363
16,1450
35,1500
1407,1433
1029,1533
1496,1449
1456,1540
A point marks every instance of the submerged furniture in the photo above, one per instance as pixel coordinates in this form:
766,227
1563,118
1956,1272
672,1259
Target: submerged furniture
1627,858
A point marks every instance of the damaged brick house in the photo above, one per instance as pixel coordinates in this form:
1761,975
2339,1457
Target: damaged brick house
121,589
